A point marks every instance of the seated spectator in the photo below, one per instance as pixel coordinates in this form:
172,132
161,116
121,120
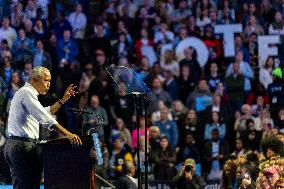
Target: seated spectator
239,151
253,27
168,62
7,32
14,86
279,121
187,177
191,124
178,112
213,78
234,84
101,87
266,121
23,48
168,127
189,149
259,106
87,77
251,136
99,40
141,132
215,123
17,14
25,73
203,19
40,33
215,154
7,70
122,48
240,47
164,160
143,41
200,98
277,26
118,156
4,49
217,106
78,22
120,127
122,106
41,57
190,59
142,153
154,138
245,70
60,24
229,174
213,44
30,10
164,35
171,84
67,49
240,123
275,92
182,34
30,33
226,17
97,120
186,83
158,94
265,73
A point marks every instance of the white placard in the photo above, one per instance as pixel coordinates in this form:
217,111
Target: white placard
228,31
265,49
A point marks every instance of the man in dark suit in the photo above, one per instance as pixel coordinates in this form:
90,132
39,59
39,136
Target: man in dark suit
127,181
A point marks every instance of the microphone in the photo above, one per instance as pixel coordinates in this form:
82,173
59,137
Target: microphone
81,111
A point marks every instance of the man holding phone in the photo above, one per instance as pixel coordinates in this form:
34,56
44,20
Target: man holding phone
187,179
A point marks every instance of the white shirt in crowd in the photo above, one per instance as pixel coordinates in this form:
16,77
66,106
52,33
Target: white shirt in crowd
78,23
265,77
9,34
26,113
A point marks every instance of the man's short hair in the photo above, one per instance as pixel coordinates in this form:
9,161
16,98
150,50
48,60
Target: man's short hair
37,73
128,166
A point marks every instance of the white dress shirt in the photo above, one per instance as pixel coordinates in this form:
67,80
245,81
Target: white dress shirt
26,114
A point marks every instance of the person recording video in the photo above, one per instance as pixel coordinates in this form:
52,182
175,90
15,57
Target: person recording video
187,179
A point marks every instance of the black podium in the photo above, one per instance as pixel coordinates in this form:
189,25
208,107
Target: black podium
65,166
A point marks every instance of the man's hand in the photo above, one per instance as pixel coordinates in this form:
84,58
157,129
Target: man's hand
74,139
70,91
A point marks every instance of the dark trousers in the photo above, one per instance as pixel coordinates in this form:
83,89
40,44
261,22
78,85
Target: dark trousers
24,162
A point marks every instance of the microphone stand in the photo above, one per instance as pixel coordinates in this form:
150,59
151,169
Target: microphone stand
138,97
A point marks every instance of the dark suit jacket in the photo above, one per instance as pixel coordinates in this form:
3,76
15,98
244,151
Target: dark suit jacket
125,183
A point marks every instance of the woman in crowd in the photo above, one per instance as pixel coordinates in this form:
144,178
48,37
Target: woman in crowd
164,161
168,62
215,123
120,127
265,72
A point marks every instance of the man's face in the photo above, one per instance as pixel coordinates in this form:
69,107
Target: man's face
202,85
95,101
156,83
67,34
42,85
164,114
5,23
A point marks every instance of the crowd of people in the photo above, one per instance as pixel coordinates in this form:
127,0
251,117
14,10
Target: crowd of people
222,121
